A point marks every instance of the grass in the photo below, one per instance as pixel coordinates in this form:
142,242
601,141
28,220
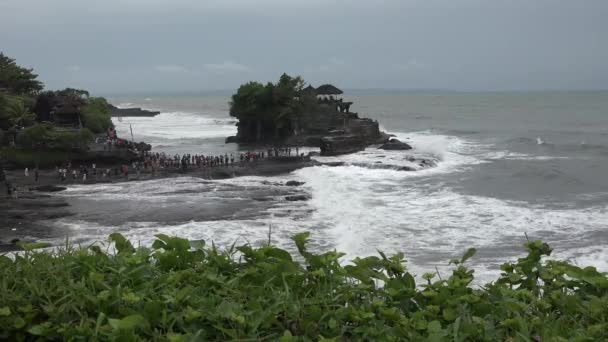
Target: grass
184,291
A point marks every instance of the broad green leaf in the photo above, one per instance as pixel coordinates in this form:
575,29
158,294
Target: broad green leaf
38,330
128,323
123,246
287,337
32,246
468,254
5,311
300,240
434,327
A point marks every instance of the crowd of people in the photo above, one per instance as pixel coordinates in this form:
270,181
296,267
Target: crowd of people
151,162
164,161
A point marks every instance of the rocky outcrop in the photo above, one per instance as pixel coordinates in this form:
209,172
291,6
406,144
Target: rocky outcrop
49,188
294,198
115,112
294,183
395,145
333,146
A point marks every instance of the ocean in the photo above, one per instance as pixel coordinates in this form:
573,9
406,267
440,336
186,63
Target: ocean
511,167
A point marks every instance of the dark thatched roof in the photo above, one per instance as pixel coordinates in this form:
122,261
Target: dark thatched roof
67,107
328,89
310,89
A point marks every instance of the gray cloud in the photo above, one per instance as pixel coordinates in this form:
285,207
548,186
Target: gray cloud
154,45
227,66
172,68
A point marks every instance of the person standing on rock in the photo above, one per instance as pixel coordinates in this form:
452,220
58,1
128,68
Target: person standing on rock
26,172
36,175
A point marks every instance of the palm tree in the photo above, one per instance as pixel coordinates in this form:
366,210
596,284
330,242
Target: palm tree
19,114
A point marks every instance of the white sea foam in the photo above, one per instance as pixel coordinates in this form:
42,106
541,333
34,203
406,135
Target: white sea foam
358,209
176,126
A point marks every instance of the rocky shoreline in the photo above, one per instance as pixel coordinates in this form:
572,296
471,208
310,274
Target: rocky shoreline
24,215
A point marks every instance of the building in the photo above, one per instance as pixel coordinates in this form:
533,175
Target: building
67,114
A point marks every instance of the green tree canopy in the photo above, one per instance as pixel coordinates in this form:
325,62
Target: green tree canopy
47,135
16,79
273,102
15,111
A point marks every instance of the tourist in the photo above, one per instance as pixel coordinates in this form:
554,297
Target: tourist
27,172
36,174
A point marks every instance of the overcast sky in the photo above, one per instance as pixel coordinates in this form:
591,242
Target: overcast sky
115,46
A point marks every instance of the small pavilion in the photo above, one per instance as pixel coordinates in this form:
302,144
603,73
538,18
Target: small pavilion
67,114
326,93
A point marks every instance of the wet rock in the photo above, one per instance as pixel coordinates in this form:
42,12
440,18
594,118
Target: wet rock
262,199
294,198
334,164
345,144
406,168
49,188
395,145
294,183
231,139
130,112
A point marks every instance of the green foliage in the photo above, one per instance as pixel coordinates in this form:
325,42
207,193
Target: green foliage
17,80
47,135
73,93
182,291
15,111
95,115
267,111
32,157
273,102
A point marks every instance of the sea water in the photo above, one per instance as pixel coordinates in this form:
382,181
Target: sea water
510,167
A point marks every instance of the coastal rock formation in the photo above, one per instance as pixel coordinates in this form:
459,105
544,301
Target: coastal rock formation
49,188
286,113
294,183
395,145
344,144
134,112
294,198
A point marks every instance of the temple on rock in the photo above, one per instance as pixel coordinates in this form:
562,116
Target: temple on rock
288,113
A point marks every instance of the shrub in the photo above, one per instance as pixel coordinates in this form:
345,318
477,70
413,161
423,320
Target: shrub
180,290
45,135
95,115
33,157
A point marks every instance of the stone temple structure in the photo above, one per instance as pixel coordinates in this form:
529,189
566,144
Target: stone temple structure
333,126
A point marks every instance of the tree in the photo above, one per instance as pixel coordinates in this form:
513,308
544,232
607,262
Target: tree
95,115
20,114
47,136
266,111
14,111
16,79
